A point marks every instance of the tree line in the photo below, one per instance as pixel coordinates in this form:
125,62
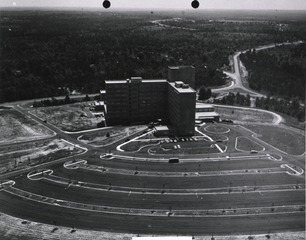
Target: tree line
280,71
44,52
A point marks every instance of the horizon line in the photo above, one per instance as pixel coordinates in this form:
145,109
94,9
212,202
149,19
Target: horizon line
142,9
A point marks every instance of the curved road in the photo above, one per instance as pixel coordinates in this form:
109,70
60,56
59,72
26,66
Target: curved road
236,76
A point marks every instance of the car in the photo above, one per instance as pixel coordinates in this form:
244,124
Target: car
254,151
227,121
173,160
107,155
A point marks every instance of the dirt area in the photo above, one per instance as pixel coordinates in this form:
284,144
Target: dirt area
12,228
15,127
19,156
110,135
71,117
281,137
246,144
241,115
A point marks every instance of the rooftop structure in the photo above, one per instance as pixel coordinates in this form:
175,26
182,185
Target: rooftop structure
185,74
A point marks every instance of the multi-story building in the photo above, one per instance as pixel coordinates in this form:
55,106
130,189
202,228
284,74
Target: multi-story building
141,101
181,108
135,100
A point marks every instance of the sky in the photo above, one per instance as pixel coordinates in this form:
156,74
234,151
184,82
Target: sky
163,4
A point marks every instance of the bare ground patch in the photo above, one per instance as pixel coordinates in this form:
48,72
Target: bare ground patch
20,156
110,135
15,127
71,117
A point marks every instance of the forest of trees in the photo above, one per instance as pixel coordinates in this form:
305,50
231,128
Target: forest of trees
43,52
234,99
280,71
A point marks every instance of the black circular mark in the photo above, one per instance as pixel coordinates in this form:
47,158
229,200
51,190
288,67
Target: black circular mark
106,4
195,4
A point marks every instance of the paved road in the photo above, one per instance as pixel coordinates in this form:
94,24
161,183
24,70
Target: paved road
236,76
124,186
277,119
54,214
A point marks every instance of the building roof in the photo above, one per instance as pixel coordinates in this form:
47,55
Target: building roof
135,79
203,105
206,115
115,81
99,103
161,128
154,80
180,67
181,89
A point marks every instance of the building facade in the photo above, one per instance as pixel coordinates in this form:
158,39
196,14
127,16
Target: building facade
136,100
181,108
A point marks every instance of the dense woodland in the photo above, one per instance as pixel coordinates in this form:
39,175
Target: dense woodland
44,53
280,71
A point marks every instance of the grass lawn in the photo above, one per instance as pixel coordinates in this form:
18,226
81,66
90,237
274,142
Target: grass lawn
280,137
136,145
199,147
217,129
244,115
15,127
246,144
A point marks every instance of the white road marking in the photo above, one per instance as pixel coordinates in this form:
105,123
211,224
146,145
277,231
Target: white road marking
295,172
145,212
186,192
32,175
217,146
71,164
6,184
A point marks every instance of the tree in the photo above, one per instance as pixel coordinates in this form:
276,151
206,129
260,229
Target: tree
67,99
204,93
86,98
